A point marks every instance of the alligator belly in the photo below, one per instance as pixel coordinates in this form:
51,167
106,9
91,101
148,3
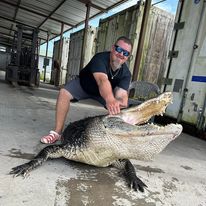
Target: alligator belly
99,158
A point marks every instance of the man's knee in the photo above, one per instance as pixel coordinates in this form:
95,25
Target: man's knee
65,94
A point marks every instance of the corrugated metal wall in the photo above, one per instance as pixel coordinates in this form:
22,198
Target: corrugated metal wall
127,23
157,38
61,77
75,50
156,48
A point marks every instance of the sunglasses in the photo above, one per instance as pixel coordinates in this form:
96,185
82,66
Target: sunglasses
120,50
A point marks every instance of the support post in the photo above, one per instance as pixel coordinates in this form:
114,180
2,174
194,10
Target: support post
88,5
141,40
60,45
47,44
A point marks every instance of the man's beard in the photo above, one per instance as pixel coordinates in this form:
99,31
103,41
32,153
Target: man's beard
116,64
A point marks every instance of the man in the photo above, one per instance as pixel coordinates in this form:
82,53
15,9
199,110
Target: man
105,78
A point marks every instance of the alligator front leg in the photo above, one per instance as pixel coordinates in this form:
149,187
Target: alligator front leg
53,151
130,174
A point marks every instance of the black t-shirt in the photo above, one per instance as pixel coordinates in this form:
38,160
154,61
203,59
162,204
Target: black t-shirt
100,63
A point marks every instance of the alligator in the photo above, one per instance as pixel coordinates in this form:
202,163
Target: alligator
111,140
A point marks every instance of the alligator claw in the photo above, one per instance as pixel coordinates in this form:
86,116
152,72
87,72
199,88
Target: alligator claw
20,170
137,184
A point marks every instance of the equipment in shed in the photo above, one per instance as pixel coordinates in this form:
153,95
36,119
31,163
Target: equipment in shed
23,67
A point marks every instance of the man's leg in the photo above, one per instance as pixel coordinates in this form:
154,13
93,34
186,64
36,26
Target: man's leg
62,108
70,91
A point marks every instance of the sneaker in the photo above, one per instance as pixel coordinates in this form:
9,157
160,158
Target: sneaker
51,138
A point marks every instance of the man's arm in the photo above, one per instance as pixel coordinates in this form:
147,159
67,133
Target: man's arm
122,96
106,92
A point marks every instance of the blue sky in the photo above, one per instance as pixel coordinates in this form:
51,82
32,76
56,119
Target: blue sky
168,5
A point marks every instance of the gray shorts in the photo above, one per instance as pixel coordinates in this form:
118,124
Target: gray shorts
75,89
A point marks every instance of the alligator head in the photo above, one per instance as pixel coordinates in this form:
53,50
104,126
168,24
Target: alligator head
136,139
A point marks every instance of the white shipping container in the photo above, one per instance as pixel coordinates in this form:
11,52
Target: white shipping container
187,71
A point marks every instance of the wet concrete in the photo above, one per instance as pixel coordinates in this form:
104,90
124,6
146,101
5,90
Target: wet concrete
176,177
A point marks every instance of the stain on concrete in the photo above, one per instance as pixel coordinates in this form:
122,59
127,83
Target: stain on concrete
18,154
25,91
89,181
169,187
174,179
149,169
108,185
186,167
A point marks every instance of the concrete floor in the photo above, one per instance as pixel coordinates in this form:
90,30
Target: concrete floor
176,177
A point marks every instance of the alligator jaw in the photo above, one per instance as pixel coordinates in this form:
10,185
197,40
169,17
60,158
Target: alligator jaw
143,112
144,142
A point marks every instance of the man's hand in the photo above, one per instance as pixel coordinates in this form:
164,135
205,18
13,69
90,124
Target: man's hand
113,106
105,90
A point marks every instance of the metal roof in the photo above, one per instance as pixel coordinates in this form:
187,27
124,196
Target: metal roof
47,16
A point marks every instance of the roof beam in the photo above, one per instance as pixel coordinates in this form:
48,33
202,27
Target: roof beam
5,44
5,34
82,22
92,17
49,16
7,28
12,36
92,5
18,22
34,12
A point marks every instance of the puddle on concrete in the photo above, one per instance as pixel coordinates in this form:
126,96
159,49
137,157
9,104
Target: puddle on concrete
86,190
98,186
18,154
